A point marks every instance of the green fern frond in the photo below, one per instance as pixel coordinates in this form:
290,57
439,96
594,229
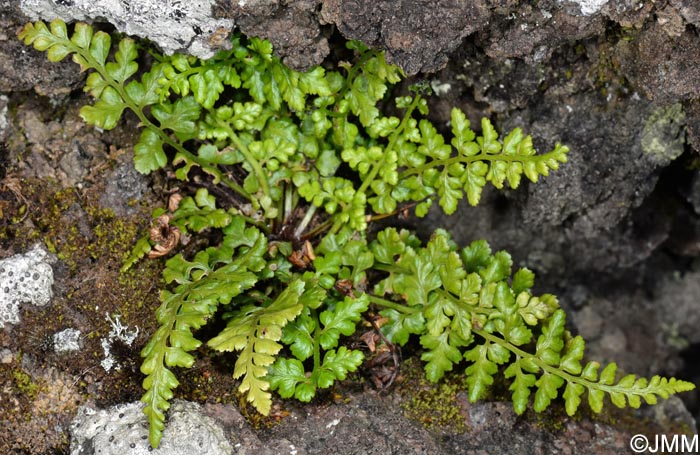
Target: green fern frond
141,248
202,285
255,332
433,168
115,89
309,335
195,214
205,80
90,51
471,308
289,378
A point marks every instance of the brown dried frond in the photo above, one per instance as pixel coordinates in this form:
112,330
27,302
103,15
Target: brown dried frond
304,257
174,202
14,185
383,364
165,236
344,287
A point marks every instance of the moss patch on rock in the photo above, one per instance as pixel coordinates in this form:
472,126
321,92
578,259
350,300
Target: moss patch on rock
433,405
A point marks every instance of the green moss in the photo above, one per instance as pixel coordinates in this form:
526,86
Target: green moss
553,419
25,384
73,226
607,75
91,241
253,417
433,405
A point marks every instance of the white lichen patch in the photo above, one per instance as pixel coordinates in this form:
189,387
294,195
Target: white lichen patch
333,423
440,88
24,278
587,7
119,332
6,356
3,113
67,340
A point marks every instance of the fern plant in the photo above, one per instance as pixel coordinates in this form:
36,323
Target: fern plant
301,164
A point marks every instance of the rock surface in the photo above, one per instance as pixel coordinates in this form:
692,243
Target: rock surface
67,340
364,423
123,430
419,35
24,279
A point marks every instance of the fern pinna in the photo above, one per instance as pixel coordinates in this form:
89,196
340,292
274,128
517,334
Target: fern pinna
302,163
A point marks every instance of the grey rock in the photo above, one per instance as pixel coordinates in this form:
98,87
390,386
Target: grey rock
627,13
417,34
292,28
123,430
242,437
494,428
684,238
174,26
370,423
663,135
671,21
64,148
689,9
24,278
678,298
693,194
595,213
6,356
692,112
537,32
125,185
607,146
660,63
366,424
66,340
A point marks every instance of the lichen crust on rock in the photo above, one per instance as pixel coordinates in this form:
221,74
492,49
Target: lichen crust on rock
121,430
663,136
24,278
588,7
